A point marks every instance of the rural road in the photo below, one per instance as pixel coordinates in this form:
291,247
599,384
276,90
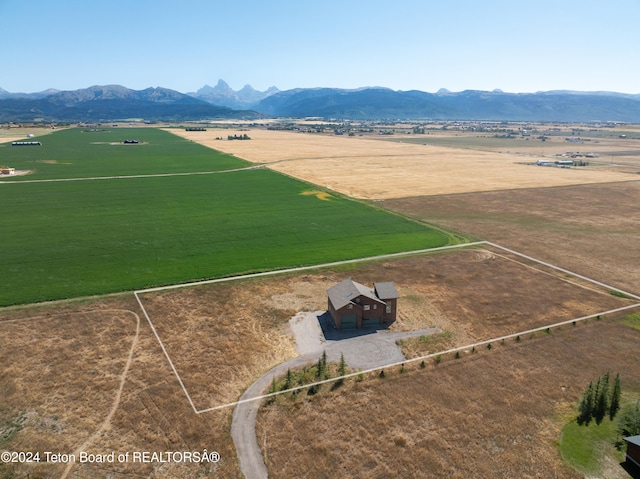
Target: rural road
362,349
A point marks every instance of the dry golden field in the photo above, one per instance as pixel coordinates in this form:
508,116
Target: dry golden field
65,387
589,229
15,134
369,168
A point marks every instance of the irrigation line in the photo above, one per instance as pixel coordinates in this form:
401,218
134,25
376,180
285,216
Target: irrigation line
128,177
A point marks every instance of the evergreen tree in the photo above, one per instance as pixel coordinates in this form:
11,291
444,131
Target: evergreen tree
342,369
288,380
629,422
601,404
616,393
585,410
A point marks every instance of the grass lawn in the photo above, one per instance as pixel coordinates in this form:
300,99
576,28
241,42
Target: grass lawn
587,448
71,239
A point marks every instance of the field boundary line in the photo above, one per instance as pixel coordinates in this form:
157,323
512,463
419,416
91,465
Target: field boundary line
374,258
421,358
164,350
558,268
306,268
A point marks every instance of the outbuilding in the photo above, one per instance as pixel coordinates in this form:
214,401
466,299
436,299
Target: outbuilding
353,305
633,450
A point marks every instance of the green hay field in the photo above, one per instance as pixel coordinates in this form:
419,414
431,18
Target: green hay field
81,153
70,239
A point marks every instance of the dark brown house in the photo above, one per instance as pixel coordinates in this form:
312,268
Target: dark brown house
353,305
633,450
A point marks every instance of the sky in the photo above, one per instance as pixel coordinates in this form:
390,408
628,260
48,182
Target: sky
515,46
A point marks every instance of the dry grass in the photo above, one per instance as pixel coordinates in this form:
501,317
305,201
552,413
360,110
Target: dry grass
222,337
375,169
589,229
61,371
15,134
492,414
63,362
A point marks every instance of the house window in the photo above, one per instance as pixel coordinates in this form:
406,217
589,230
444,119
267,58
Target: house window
367,307
375,306
388,308
350,306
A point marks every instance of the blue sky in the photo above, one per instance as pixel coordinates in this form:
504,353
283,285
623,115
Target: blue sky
516,46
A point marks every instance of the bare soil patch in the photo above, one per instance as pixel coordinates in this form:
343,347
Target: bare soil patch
377,169
589,229
494,413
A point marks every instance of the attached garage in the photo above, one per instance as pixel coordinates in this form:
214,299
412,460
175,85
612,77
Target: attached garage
353,305
370,322
349,321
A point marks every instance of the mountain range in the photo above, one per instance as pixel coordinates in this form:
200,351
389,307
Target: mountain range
114,102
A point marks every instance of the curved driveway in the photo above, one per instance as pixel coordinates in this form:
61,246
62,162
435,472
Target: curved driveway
362,349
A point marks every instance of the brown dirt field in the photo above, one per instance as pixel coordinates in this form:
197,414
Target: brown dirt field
63,362
209,330
378,169
491,414
589,229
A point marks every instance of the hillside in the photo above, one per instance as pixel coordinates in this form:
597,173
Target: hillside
384,103
113,102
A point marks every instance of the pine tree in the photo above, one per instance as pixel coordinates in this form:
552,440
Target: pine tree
287,381
616,393
586,406
601,404
342,370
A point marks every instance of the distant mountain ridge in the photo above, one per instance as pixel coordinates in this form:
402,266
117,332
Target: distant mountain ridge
115,102
223,95
383,103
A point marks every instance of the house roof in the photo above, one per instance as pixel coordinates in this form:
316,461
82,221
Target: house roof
386,290
346,291
633,440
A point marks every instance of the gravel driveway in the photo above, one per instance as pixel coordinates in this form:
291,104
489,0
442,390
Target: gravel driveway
363,348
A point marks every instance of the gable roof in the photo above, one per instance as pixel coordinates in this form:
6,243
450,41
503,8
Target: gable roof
386,290
346,291
633,440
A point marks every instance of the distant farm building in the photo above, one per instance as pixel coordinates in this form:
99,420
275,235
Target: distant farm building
354,306
195,129
6,171
557,163
633,450
131,142
26,143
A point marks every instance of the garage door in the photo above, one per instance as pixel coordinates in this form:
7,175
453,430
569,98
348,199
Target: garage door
349,321
370,322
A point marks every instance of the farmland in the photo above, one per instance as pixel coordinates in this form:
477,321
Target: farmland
90,375
377,168
76,238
